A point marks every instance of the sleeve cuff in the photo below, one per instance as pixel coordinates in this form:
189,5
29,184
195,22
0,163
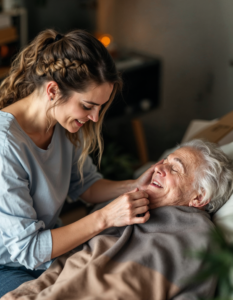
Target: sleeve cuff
43,249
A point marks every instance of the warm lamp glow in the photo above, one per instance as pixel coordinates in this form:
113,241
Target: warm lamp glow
105,40
4,50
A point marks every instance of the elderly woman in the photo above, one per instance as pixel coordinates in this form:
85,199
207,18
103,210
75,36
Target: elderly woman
148,261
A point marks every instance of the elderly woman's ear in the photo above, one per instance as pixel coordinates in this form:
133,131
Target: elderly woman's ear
197,201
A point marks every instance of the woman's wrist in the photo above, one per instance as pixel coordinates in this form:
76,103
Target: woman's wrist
102,219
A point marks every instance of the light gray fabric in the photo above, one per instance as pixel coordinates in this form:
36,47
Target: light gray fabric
163,243
33,186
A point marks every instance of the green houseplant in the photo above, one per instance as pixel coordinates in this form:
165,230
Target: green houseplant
218,263
116,164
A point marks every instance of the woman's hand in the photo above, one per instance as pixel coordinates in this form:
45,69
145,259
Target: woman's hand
124,209
145,179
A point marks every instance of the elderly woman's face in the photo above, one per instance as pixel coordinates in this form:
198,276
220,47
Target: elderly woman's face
172,181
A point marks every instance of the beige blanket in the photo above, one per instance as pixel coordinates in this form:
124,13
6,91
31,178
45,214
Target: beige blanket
139,262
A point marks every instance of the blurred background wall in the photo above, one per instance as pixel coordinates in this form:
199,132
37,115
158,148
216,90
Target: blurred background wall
62,15
194,39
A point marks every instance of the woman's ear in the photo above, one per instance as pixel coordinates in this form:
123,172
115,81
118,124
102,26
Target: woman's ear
197,200
51,90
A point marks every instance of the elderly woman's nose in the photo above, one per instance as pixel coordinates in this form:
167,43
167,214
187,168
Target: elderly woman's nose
158,163
160,169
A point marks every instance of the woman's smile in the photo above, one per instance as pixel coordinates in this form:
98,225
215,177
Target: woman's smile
79,123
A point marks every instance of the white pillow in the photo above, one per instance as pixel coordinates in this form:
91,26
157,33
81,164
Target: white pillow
224,219
228,149
224,216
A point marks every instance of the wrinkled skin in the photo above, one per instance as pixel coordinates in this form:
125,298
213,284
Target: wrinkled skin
172,180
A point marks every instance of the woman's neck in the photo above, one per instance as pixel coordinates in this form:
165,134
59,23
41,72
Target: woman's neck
30,113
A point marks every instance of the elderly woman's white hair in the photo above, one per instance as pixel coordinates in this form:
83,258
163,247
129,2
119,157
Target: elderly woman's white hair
214,176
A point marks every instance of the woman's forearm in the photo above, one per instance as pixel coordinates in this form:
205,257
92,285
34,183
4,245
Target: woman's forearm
104,190
71,236
121,212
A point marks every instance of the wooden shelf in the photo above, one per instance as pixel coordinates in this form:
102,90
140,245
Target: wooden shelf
4,71
8,35
16,34
20,13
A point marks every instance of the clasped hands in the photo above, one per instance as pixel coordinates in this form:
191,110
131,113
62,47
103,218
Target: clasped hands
125,209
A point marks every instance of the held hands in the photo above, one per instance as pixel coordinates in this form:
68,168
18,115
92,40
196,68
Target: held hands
124,209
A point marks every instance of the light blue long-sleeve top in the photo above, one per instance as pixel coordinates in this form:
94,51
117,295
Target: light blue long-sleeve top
33,186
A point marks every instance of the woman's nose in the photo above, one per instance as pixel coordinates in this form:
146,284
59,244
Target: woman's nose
94,116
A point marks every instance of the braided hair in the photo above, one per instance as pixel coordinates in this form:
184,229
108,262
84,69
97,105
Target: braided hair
74,61
62,66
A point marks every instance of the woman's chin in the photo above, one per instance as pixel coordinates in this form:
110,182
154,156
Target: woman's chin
72,129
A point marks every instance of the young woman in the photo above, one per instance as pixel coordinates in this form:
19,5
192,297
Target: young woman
52,107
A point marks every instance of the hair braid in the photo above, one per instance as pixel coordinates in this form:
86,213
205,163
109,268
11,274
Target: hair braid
61,65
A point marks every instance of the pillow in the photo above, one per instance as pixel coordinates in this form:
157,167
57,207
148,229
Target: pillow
224,219
224,216
228,149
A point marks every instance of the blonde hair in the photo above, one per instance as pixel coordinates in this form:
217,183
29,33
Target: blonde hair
74,61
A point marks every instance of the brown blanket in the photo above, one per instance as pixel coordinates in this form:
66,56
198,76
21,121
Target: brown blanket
139,262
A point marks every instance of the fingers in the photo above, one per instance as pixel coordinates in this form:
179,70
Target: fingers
158,163
141,202
140,210
151,170
135,190
124,210
140,220
153,166
138,195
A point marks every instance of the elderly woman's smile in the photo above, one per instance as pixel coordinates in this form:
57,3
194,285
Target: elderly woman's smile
156,184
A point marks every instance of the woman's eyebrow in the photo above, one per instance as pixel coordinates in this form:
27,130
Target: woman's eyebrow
92,103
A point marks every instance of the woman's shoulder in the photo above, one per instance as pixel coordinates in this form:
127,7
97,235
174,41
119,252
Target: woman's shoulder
10,132
6,124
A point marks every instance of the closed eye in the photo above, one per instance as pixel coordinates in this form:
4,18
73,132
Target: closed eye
174,170
87,108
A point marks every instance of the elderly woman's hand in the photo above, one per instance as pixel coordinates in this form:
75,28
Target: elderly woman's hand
125,209
145,179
